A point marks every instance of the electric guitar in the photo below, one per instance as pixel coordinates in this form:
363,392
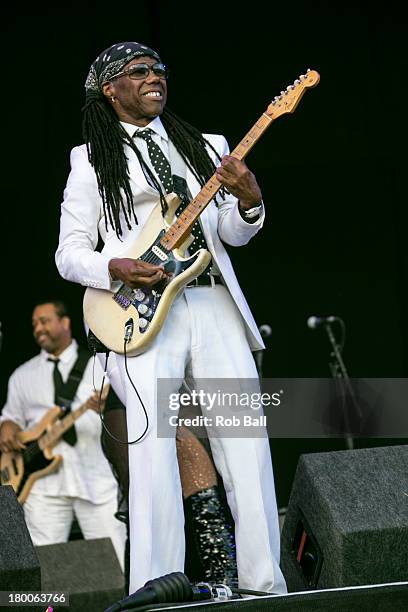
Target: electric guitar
21,469
129,319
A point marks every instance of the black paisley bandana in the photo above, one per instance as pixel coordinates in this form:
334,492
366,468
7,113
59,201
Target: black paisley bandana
112,60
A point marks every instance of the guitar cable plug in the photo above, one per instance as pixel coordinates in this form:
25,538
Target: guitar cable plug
129,326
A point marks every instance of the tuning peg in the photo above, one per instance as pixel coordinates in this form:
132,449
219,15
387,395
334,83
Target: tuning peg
308,70
297,82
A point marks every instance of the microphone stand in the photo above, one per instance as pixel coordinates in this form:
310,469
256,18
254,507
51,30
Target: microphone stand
339,373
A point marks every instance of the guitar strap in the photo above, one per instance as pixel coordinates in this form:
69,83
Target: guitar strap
179,173
180,187
67,391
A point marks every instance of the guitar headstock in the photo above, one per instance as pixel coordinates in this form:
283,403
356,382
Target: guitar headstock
288,100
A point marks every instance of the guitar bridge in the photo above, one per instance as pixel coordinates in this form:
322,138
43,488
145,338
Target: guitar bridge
124,297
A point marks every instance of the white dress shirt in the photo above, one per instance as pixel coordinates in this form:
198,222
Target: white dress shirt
85,472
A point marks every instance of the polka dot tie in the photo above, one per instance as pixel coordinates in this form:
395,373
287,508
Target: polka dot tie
159,161
163,170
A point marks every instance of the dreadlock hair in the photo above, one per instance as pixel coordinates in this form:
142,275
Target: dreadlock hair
104,137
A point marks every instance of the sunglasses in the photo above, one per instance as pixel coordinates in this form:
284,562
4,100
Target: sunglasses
142,71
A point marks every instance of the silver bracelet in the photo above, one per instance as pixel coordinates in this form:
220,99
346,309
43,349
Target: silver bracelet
252,212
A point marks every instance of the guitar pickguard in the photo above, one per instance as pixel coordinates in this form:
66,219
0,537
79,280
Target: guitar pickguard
17,467
36,462
146,301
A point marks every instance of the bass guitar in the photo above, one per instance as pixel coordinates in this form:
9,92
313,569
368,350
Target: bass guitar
21,469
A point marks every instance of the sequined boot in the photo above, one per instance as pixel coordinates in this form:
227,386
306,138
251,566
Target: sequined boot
210,538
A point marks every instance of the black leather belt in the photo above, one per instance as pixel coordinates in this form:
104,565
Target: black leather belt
205,280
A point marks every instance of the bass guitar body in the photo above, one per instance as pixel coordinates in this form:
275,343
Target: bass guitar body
21,469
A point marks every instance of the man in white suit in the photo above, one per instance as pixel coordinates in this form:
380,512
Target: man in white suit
135,150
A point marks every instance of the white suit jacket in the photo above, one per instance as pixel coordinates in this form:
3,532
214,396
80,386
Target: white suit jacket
82,217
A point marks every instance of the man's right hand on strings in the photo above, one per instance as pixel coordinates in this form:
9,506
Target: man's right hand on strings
135,272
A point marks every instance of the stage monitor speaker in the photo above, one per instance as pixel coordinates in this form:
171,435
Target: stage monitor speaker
88,570
19,564
347,519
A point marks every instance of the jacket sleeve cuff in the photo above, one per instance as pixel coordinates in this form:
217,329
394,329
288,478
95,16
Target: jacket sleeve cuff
253,214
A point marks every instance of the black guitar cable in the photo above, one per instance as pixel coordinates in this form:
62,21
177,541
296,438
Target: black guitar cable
127,337
126,340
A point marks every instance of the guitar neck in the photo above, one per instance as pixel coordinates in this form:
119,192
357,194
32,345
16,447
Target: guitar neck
286,102
179,231
60,427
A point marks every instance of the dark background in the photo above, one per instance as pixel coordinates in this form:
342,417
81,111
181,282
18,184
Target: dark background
332,173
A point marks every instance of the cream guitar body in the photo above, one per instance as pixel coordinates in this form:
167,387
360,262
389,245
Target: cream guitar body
129,319
108,314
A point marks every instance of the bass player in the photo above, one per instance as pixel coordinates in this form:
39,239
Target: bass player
84,484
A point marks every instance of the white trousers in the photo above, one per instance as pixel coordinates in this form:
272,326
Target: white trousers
49,520
203,337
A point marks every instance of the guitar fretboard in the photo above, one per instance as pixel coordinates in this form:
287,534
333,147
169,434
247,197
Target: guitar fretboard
286,102
60,427
181,228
